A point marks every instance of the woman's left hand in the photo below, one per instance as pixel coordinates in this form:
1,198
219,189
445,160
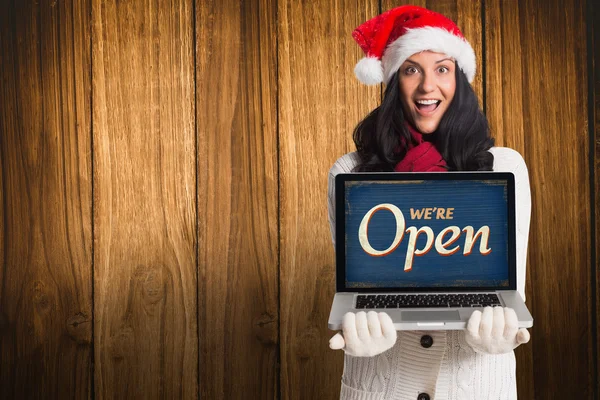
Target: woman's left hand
495,331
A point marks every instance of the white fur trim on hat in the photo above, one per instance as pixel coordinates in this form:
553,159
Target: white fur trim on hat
433,39
369,71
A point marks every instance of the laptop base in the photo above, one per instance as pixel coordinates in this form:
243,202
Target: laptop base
428,318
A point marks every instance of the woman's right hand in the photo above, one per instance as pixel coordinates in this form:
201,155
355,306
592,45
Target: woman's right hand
365,334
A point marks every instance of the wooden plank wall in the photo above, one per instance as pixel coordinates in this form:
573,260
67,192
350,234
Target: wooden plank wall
164,169
593,31
319,104
237,199
46,207
553,138
145,272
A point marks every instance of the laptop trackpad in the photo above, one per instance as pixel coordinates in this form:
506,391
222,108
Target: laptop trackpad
420,316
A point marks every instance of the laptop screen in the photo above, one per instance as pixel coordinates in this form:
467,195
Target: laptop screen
429,233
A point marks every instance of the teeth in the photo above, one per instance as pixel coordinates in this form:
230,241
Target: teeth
427,101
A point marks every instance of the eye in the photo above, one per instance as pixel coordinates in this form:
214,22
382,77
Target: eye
410,70
443,69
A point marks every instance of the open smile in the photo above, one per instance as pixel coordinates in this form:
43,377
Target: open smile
427,107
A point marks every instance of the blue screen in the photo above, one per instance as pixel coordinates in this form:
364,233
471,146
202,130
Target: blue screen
434,233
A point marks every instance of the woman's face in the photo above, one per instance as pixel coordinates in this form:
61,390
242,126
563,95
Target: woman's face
427,86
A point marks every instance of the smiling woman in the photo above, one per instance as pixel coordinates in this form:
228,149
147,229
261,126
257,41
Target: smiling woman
429,120
406,132
427,86
429,106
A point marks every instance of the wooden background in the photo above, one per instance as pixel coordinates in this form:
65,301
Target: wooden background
164,165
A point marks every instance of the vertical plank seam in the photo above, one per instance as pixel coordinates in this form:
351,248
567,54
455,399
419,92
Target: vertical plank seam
197,241
279,368
91,71
590,29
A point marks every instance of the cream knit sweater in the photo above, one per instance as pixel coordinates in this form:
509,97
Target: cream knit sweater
450,369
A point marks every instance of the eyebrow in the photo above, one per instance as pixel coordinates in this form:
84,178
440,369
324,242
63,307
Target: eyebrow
437,62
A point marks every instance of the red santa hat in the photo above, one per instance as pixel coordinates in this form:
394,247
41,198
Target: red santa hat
390,38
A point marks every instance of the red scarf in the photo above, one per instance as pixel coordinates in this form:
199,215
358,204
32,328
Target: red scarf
422,157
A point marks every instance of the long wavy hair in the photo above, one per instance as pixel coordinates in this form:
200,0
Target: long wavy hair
462,137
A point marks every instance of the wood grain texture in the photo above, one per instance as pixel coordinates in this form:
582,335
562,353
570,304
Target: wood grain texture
594,75
46,201
543,116
146,343
320,102
504,99
237,186
469,20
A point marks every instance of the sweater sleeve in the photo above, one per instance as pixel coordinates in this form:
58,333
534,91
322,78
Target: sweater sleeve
508,160
344,164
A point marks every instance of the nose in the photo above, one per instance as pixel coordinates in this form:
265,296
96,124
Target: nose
428,82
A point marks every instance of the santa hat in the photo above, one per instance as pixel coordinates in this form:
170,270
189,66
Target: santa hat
390,38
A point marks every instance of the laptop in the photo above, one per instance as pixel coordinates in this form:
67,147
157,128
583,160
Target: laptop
426,248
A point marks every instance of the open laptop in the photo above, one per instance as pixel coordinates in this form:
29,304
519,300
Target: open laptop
426,248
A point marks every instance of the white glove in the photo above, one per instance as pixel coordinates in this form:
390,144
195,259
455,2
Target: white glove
365,334
495,331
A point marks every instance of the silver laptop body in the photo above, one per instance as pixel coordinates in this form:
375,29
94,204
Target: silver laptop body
426,248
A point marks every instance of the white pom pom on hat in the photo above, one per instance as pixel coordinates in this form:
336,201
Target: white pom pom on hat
369,70
390,38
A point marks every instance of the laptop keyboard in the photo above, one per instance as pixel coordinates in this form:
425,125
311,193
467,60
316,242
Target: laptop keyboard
427,300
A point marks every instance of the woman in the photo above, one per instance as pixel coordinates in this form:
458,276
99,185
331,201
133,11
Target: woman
429,120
